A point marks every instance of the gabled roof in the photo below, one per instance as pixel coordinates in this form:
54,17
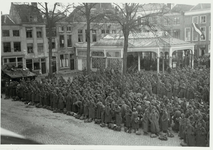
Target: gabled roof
201,6
25,11
181,8
6,20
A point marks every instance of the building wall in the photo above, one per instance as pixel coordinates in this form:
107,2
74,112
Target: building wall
12,39
24,40
101,31
202,46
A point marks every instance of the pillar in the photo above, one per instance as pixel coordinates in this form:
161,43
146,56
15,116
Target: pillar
192,57
139,62
158,60
170,57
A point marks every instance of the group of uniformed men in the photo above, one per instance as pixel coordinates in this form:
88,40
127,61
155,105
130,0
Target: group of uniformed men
138,101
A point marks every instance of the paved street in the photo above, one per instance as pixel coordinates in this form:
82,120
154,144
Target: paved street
47,127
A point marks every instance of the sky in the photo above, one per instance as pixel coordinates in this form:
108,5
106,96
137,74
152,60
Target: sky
5,6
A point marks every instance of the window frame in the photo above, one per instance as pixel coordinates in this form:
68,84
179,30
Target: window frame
204,33
7,35
69,40
193,19
80,35
201,19
39,46
175,20
189,34
9,43
29,33
193,31
17,32
61,41
19,46
69,29
61,29
64,61
30,51
39,31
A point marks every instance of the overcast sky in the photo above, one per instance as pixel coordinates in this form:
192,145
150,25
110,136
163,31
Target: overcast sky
5,5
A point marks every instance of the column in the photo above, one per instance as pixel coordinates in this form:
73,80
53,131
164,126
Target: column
192,57
158,60
170,57
139,61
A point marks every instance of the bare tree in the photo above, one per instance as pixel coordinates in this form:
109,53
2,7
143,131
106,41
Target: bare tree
132,20
92,14
53,15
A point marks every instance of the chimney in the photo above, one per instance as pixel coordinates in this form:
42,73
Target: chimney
169,5
34,4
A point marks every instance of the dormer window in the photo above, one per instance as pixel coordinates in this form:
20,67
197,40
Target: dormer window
33,19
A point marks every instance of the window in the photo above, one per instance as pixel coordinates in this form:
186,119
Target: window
33,18
7,47
203,29
20,62
29,32
12,61
61,40
39,32
29,47
15,32
69,29
176,20
40,47
194,35
202,19
176,33
195,19
5,60
64,60
5,33
187,34
113,31
80,35
29,64
61,29
94,36
103,31
53,43
36,64
107,31
17,46
69,40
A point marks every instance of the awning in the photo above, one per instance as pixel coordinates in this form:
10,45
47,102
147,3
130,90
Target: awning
19,73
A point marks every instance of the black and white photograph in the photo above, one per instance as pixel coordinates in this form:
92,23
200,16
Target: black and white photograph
125,73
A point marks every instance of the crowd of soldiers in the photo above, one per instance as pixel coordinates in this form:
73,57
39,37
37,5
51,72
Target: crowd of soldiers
140,102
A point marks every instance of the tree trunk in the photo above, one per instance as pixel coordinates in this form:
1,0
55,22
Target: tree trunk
126,36
88,38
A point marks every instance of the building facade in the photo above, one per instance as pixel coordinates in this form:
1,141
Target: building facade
200,15
24,42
